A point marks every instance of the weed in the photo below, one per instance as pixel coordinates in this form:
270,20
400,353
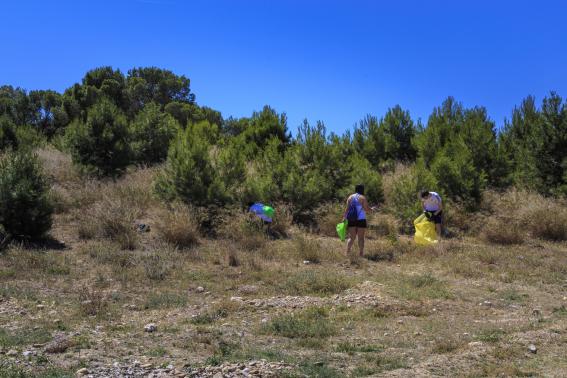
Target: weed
158,351
352,348
491,335
92,302
165,300
512,295
156,265
23,336
316,282
421,286
310,323
446,345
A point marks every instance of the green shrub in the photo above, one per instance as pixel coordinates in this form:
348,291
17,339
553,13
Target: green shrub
8,137
363,173
101,144
25,207
193,172
401,189
152,131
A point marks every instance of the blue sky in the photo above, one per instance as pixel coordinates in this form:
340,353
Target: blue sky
334,61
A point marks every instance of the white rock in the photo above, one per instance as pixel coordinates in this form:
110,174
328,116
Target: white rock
200,289
151,327
82,372
532,348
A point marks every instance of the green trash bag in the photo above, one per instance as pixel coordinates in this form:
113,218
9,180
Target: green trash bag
424,231
269,211
342,230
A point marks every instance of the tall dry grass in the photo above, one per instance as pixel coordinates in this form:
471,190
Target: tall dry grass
179,226
517,215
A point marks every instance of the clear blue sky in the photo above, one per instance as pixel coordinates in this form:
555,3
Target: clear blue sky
334,61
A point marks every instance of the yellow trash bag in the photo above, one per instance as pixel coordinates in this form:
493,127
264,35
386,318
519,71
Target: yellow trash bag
424,231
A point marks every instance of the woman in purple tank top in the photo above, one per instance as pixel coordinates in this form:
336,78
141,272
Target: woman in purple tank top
355,214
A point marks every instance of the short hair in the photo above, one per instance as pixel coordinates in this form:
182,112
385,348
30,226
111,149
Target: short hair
359,189
424,193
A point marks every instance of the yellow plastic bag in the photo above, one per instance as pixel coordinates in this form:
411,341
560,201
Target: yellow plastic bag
424,231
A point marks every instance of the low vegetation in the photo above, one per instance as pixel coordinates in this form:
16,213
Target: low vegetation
123,204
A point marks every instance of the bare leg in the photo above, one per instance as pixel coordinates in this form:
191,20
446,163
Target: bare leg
361,232
438,230
351,237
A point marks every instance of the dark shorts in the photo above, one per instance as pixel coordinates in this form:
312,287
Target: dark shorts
437,219
361,223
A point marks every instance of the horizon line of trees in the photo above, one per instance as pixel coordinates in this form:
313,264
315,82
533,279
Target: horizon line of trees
111,121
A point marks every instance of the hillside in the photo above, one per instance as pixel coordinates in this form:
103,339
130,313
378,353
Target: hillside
488,301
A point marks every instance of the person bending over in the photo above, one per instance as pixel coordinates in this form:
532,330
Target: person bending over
433,208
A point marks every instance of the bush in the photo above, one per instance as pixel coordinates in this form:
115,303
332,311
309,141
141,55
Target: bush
8,137
101,144
363,173
401,189
25,206
190,174
152,131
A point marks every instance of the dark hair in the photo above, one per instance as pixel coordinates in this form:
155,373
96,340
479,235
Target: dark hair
359,189
424,193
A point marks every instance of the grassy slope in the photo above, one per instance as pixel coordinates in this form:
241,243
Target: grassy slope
465,307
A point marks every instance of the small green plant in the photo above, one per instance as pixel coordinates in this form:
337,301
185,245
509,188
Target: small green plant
492,335
158,351
316,282
310,323
165,300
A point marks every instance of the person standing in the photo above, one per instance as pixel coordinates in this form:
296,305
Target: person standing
355,214
433,207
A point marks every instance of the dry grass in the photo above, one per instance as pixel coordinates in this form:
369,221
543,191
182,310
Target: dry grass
245,229
308,249
179,226
529,214
327,217
92,302
383,224
500,231
112,218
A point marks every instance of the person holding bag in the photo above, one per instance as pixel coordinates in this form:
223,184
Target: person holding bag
355,215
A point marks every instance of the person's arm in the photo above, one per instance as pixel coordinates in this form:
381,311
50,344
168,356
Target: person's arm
440,207
347,206
365,206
